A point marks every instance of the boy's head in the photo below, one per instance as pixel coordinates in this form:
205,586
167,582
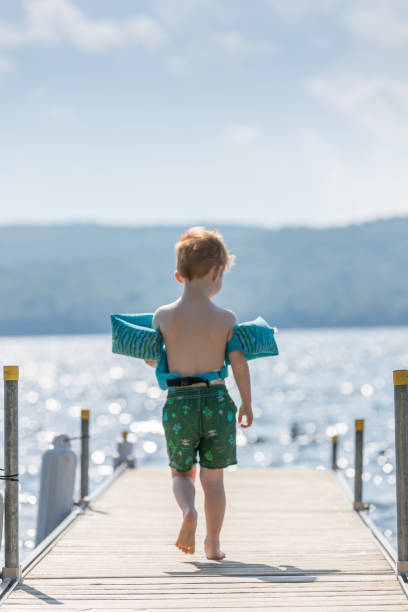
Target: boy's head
199,250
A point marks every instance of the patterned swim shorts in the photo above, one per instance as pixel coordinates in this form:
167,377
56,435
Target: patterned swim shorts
200,419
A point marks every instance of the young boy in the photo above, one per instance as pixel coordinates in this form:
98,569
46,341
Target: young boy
201,416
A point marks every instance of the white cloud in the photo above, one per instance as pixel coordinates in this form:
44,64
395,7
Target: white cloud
241,134
349,91
296,9
351,190
376,178
146,32
50,22
6,65
377,103
380,21
234,44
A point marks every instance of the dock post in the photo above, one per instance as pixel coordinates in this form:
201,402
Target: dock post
335,440
12,568
401,456
84,454
358,465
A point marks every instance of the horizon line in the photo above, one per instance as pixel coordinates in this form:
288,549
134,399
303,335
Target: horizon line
223,223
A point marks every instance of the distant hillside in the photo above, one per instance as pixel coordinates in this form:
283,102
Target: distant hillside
67,279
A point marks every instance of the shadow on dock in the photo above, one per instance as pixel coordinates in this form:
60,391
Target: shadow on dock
262,571
227,568
48,599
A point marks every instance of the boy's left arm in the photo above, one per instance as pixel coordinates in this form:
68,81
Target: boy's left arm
156,326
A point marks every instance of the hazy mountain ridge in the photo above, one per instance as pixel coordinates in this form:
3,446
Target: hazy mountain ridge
68,278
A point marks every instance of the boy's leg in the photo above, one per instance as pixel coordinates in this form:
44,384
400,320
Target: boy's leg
184,492
183,488
212,481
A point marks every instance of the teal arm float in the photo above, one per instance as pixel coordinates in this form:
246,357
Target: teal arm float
133,336
254,338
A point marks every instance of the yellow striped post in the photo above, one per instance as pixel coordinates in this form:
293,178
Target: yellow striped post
335,440
358,465
12,568
10,372
401,455
84,454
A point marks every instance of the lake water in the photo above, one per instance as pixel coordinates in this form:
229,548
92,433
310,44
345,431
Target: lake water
321,381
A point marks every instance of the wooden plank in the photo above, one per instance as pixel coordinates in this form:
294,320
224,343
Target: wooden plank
291,539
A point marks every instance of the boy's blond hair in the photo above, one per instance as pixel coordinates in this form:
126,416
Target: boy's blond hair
198,250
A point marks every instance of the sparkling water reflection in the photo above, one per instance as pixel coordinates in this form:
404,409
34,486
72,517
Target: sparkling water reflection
321,382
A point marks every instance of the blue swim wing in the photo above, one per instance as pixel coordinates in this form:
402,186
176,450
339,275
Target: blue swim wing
254,338
133,336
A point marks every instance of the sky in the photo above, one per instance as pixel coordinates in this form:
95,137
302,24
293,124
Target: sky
256,112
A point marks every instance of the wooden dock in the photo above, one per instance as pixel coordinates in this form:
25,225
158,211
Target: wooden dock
292,542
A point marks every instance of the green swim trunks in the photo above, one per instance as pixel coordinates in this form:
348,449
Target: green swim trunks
203,419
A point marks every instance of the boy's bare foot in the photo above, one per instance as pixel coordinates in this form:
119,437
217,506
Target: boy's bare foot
213,551
186,536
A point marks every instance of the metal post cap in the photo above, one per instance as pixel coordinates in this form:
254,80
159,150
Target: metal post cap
335,438
10,372
400,377
85,414
359,424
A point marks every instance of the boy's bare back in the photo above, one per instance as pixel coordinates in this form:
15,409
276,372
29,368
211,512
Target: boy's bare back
195,332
